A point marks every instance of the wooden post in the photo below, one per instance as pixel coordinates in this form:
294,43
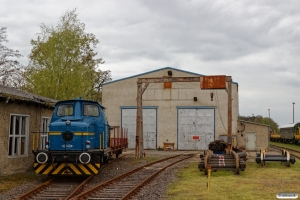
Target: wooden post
139,123
229,136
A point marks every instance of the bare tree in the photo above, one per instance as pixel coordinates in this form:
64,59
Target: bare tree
100,78
10,68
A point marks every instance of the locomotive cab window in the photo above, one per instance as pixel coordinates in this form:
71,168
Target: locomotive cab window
65,110
91,110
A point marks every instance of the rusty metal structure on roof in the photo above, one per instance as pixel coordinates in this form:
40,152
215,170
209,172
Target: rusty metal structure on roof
213,82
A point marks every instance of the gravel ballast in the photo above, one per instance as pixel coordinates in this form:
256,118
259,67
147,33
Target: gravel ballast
154,190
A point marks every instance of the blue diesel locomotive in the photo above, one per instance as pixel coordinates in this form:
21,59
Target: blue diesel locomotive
79,140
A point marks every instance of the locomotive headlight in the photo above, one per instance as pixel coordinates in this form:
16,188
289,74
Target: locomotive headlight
88,144
42,158
84,158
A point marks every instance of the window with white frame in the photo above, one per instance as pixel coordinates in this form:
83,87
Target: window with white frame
18,135
44,132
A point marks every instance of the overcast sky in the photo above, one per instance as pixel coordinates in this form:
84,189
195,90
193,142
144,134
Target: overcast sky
255,42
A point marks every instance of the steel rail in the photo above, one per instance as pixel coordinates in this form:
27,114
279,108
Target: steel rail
115,180
80,187
280,148
35,190
139,186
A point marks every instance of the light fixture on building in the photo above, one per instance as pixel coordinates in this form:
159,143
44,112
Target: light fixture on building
211,96
170,73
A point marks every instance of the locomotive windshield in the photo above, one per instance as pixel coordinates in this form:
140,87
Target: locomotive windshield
65,110
91,110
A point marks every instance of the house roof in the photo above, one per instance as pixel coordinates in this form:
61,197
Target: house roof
13,93
164,68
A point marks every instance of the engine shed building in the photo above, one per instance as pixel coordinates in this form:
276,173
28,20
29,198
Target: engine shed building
21,114
177,115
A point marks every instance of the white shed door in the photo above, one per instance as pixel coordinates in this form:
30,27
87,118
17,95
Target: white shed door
193,124
250,141
149,127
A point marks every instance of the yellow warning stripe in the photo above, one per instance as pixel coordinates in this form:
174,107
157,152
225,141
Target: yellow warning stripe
76,133
58,169
49,169
54,133
94,169
85,169
84,133
75,169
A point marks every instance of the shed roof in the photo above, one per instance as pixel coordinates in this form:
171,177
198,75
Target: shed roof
164,68
253,123
13,93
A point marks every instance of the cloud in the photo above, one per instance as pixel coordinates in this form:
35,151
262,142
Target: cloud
255,42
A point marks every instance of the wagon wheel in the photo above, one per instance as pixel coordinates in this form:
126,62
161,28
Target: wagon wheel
205,164
287,158
237,162
262,157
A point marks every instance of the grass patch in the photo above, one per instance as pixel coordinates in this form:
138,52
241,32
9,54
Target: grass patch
254,183
10,181
290,146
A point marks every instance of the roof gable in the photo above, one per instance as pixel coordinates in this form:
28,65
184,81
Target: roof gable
149,72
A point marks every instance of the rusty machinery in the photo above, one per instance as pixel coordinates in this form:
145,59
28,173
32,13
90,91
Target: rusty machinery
285,157
230,161
218,157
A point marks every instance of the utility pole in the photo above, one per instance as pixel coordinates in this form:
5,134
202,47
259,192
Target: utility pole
229,135
269,112
293,111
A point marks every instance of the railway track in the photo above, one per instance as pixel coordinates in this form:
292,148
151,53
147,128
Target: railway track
127,184
292,151
57,188
60,187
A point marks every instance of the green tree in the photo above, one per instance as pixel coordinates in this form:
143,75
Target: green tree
261,120
63,63
10,67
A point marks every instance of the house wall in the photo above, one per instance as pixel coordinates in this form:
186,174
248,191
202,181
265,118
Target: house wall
261,130
124,93
10,165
